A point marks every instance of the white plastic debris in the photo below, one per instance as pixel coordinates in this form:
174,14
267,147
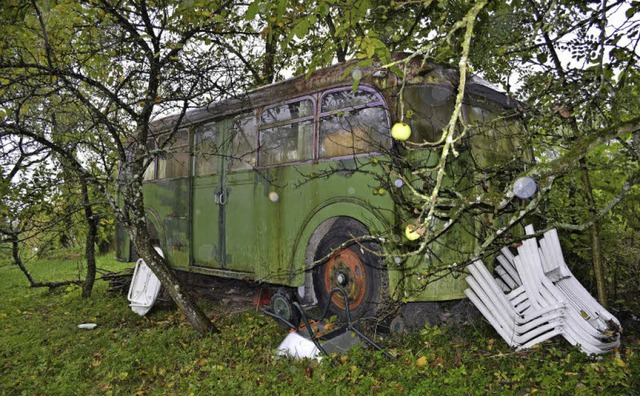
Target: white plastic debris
145,287
298,344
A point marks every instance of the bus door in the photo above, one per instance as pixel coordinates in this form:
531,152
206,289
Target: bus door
264,209
223,213
253,217
208,197
240,215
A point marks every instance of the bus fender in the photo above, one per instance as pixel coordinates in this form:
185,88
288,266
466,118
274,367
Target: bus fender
315,227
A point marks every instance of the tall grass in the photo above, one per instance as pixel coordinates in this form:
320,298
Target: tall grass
43,352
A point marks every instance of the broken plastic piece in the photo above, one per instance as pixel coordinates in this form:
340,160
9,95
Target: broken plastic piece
145,287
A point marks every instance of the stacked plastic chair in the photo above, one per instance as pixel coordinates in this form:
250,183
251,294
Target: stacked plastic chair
536,297
511,314
558,272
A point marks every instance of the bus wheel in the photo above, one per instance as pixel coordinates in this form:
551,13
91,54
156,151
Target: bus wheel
355,268
281,304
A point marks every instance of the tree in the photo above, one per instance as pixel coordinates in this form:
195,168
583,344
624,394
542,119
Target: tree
30,216
603,60
573,109
115,66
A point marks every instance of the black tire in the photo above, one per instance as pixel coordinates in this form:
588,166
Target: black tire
281,304
356,268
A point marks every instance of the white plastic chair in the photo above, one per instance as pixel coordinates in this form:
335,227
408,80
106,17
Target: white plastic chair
543,293
556,269
145,287
506,270
558,272
519,328
542,299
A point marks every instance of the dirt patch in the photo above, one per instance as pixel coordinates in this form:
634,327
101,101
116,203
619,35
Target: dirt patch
227,296
232,295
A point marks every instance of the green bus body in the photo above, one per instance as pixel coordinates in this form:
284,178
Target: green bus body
260,216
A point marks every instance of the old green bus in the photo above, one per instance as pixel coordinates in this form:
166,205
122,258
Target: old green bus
297,184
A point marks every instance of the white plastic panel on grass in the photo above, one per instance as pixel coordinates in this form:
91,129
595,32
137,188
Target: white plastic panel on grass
145,287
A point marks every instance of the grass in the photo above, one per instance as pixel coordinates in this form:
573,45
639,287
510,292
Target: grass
42,352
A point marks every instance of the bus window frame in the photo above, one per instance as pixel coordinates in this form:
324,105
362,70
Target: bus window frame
193,130
152,144
381,102
255,145
493,109
167,152
450,101
361,87
261,127
153,165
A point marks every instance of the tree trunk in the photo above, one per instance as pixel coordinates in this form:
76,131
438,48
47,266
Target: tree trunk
269,65
15,251
143,245
596,248
90,247
195,316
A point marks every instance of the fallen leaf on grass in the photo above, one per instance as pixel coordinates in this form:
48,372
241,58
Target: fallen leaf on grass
438,362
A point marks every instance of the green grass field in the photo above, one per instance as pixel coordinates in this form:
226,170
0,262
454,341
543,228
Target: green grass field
43,352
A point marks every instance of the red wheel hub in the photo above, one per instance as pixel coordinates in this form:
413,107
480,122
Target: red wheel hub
345,270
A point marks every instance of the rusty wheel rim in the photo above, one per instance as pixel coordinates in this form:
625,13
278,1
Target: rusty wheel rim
346,270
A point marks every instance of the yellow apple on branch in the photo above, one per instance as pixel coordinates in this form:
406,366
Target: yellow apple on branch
413,232
400,131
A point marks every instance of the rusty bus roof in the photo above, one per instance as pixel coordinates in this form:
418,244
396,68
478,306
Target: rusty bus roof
417,71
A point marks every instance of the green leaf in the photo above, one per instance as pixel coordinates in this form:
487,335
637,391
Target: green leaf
542,57
631,12
365,62
252,10
301,29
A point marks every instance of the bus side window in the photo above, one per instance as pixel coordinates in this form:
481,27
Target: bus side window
205,159
175,162
150,172
286,133
352,123
494,138
431,107
243,143
287,143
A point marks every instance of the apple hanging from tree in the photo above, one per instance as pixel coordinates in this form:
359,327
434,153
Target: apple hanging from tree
400,131
413,232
